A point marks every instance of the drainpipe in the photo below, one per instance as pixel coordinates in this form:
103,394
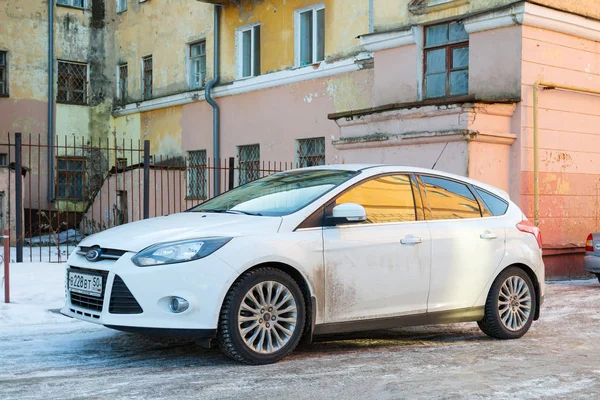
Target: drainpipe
536,171
215,106
50,101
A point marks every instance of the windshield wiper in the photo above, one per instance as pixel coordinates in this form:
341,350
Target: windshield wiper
232,212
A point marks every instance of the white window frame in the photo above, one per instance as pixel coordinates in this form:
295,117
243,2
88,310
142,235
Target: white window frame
297,37
239,51
69,3
189,65
121,6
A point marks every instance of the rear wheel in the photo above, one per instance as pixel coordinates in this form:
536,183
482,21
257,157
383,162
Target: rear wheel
510,305
598,276
262,318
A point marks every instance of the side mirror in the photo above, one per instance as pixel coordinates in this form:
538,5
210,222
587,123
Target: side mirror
348,213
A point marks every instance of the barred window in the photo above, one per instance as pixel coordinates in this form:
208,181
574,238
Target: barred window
122,83
147,77
310,152
3,73
197,64
72,83
73,3
196,174
70,178
249,163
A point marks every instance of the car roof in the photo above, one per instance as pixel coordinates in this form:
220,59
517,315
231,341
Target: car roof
374,169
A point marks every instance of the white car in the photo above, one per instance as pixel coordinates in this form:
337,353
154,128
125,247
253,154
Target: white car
313,251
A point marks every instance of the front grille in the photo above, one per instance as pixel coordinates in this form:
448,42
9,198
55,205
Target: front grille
111,254
122,300
86,301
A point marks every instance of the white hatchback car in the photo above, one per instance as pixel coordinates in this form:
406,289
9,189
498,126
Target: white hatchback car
314,251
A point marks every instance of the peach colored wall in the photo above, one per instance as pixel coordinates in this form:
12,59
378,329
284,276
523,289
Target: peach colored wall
396,75
490,163
569,135
274,118
494,63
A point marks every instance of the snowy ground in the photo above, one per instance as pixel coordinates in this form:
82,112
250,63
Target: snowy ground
45,355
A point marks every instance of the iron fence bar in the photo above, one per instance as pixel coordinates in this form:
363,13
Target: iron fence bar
30,196
18,196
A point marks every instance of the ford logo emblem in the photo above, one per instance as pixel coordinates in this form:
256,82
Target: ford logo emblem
93,255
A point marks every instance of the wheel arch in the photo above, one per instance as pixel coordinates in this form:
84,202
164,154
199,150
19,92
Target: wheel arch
305,287
536,285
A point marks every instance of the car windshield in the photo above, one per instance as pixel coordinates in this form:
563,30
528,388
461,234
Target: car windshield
276,195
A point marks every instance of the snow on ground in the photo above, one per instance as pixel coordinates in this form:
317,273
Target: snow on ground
44,355
35,289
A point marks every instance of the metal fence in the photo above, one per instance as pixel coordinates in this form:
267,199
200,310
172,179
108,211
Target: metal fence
76,187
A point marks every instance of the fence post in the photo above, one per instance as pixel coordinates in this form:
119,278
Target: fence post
231,172
6,239
147,179
19,196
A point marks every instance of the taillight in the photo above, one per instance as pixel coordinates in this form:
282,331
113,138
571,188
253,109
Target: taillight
528,227
589,246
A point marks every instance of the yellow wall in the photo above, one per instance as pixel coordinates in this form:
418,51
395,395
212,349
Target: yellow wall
344,21
163,129
162,28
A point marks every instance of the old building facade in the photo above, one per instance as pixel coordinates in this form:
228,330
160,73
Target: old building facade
444,83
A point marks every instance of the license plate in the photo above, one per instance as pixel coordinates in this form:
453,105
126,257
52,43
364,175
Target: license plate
85,284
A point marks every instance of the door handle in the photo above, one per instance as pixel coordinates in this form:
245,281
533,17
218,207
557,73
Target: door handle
411,240
488,236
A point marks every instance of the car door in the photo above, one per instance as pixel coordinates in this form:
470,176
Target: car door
466,248
380,267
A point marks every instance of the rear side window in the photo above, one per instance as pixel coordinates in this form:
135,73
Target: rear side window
450,199
493,204
385,198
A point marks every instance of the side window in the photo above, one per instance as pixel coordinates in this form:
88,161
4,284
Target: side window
494,205
449,199
386,199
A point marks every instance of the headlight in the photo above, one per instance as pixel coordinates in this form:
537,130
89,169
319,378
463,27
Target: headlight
178,252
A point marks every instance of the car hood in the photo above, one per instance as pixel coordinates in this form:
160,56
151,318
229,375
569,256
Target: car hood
138,235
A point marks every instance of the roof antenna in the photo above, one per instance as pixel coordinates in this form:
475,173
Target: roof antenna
440,156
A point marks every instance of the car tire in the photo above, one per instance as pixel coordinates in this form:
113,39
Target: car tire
245,333
598,276
510,306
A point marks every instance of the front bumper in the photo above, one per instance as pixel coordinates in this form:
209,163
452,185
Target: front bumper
592,264
203,283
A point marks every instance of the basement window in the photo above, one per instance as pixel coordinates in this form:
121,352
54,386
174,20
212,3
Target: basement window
197,64
196,175
310,152
72,3
147,77
249,163
72,83
446,60
70,178
248,51
310,35
3,74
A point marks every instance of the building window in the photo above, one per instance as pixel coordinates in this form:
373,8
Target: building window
196,174
122,74
147,77
249,163
72,83
121,6
446,60
311,152
3,159
3,73
70,178
197,67
248,51
310,35
72,3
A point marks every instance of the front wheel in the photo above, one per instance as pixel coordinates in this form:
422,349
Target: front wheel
262,318
510,305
